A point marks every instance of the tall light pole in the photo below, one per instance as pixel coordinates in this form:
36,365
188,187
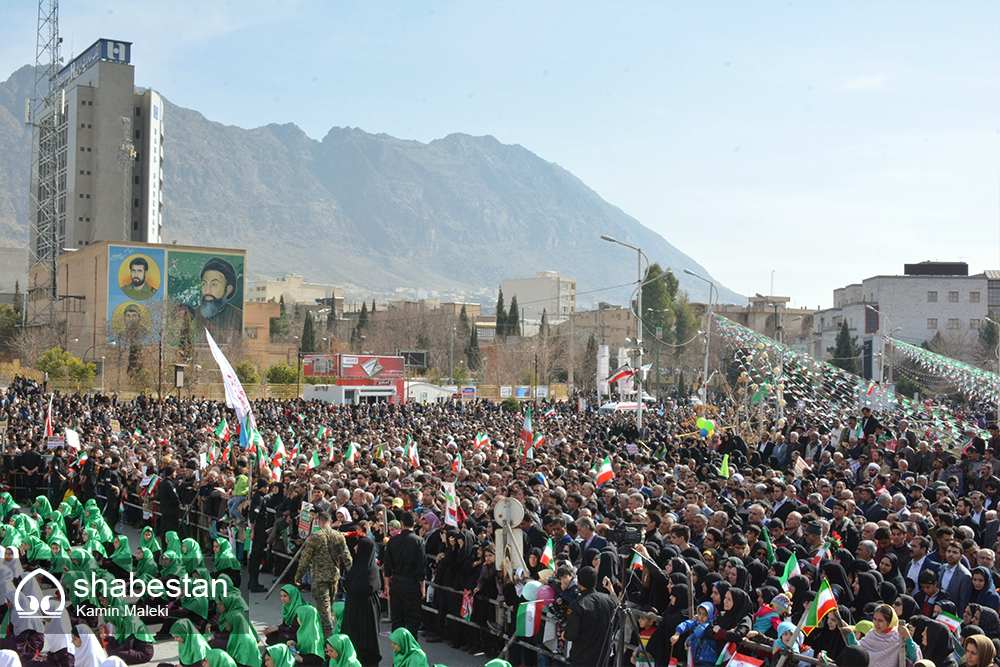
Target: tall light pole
708,332
638,331
997,324
881,340
779,409
659,344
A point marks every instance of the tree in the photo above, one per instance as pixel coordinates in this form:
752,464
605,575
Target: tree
657,296
134,359
907,387
281,303
246,372
463,323
331,319
18,299
59,363
846,353
9,321
501,318
513,325
373,306
281,373
472,353
308,336
989,338
543,327
685,325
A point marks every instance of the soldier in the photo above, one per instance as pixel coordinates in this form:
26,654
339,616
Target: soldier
323,550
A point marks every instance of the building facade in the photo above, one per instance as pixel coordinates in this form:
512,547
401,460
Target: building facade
294,289
101,118
546,291
929,298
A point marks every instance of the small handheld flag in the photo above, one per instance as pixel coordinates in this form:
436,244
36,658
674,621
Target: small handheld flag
547,553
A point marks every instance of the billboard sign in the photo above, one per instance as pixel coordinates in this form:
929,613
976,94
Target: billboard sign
209,287
102,49
358,366
522,392
135,291
321,365
468,392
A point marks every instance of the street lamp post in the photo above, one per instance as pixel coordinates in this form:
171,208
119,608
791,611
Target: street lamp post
779,409
638,331
659,344
708,332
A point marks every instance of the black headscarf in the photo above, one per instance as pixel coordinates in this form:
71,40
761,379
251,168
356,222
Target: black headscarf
533,570
758,573
888,592
710,581
910,608
723,588
853,656
801,592
938,649
363,577
766,593
895,577
989,621
742,578
742,608
868,592
825,639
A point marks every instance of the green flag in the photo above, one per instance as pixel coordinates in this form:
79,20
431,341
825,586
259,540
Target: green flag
724,468
770,547
791,569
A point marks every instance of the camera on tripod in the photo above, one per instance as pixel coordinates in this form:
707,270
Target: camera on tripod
626,534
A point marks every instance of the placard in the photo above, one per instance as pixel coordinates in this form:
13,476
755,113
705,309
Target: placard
522,392
56,441
305,520
541,392
505,392
468,392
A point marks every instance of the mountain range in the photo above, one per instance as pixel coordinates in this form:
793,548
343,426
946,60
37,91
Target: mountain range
371,212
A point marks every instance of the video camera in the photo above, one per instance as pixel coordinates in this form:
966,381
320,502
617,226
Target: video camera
626,534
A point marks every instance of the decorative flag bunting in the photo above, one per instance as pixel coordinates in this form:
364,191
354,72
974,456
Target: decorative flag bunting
352,453
605,473
824,603
548,553
791,569
223,430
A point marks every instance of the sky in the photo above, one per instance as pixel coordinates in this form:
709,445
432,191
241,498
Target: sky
823,141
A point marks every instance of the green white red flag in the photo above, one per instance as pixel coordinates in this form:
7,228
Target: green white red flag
352,453
824,603
223,430
605,473
548,553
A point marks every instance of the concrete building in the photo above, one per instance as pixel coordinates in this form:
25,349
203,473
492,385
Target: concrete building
294,289
546,291
610,324
98,111
929,298
759,315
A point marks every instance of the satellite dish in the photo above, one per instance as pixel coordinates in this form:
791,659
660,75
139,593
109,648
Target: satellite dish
509,512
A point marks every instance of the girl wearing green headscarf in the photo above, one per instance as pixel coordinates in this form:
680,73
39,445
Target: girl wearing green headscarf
173,541
279,656
149,541
230,606
191,646
120,562
60,548
191,555
43,508
170,566
7,505
55,526
26,525
36,552
309,637
242,644
222,586
92,517
405,650
291,600
90,539
133,642
218,658
74,510
340,651
82,560
225,562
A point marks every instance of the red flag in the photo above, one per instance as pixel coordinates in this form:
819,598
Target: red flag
48,421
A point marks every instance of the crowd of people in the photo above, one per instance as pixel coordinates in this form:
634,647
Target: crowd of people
694,544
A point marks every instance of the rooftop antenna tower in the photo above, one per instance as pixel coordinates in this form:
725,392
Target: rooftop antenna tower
47,116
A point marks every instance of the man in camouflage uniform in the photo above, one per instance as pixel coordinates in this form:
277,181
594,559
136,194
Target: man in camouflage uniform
323,550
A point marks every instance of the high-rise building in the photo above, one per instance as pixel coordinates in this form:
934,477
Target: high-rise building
101,121
546,291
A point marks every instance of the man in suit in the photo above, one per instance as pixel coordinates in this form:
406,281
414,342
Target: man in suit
787,504
589,539
955,577
868,422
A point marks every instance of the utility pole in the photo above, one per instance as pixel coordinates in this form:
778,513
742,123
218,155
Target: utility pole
572,340
451,358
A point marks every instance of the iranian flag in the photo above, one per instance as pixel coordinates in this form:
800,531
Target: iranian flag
481,440
351,455
301,417
529,618
411,452
314,461
456,465
223,430
330,457
791,569
526,431
636,563
622,373
605,473
768,545
322,432
276,475
952,621
212,454
547,553
819,556
279,451
151,487
824,603
379,453
727,653
295,450
81,459
550,413
48,420
740,660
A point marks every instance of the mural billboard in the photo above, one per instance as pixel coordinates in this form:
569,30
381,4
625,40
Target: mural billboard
135,291
210,287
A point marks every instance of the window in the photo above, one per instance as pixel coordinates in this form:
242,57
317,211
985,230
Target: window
138,134
88,196
81,172
973,297
932,323
952,297
82,149
81,196
953,323
136,180
83,103
135,204
974,325
138,111
88,150
135,225
932,297
90,104
89,126
83,125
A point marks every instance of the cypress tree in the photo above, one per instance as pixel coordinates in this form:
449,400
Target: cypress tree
513,325
308,335
501,317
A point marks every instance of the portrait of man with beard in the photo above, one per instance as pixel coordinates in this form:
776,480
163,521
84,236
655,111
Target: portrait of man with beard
215,312
138,288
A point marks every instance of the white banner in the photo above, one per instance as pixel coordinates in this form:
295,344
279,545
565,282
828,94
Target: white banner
236,398
603,369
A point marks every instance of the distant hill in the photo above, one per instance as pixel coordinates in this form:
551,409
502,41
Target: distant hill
371,211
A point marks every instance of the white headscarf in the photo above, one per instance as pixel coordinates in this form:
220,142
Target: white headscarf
113,661
9,659
18,623
90,653
13,564
58,634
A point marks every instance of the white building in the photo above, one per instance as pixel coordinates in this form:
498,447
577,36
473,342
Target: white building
546,291
929,298
294,289
97,109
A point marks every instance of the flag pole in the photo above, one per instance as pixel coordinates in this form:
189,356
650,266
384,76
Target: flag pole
798,631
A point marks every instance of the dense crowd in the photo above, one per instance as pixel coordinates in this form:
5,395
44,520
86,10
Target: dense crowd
697,544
